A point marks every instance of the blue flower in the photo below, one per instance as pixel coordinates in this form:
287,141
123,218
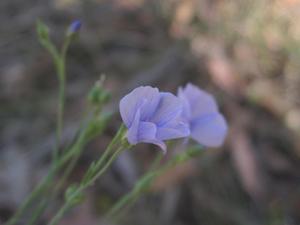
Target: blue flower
152,116
207,125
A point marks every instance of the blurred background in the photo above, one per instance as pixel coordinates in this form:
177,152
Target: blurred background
245,52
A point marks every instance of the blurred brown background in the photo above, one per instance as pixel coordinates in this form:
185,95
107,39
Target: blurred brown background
246,52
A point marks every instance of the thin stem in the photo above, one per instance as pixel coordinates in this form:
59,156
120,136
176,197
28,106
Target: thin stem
68,204
156,161
80,142
125,200
42,206
141,186
29,200
66,174
118,138
46,180
60,64
73,153
146,180
132,195
37,212
59,214
114,156
76,152
60,113
111,145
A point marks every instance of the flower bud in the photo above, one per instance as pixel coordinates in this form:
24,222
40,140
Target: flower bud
74,28
98,95
42,31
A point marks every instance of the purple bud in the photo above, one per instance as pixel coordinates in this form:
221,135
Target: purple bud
74,27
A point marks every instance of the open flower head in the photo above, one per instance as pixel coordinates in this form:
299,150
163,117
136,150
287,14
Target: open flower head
207,125
152,116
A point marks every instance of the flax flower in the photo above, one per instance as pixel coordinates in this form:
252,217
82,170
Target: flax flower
207,125
152,116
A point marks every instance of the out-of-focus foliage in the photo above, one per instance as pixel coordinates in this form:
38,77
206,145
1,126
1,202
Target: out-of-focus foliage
260,39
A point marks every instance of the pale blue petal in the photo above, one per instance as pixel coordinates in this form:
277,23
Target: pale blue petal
168,108
152,99
186,107
200,102
157,142
209,130
146,131
147,134
132,133
176,129
135,100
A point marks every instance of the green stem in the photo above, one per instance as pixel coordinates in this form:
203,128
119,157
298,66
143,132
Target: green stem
156,161
141,186
81,141
68,204
60,64
118,138
37,212
111,145
59,214
130,197
46,180
42,206
59,126
125,200
66,174
77,150
29,200
73,153
146,180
